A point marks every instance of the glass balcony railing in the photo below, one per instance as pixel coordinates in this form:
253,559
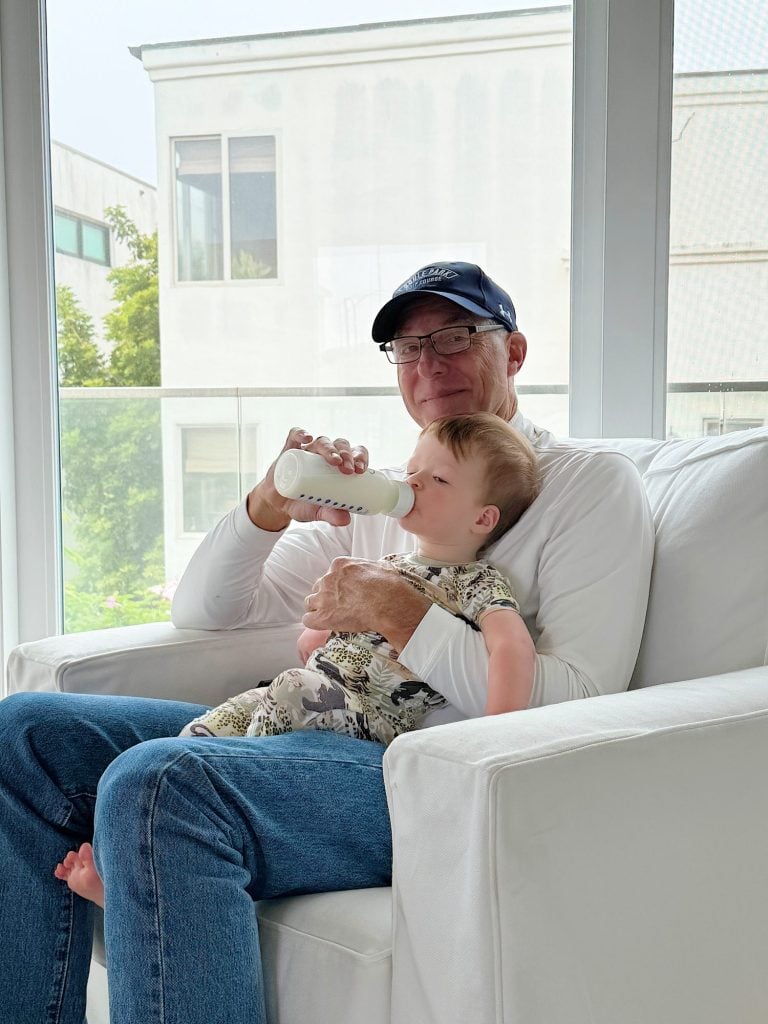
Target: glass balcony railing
146,472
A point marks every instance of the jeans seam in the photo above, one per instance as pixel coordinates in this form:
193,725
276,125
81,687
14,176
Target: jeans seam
150,840
70,809
65,960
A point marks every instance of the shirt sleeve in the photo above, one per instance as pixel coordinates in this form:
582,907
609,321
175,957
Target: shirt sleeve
482,590
593,577
241,575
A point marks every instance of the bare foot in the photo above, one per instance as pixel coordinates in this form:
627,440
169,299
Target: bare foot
79,872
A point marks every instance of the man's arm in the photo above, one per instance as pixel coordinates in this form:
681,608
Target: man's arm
247,570
511,661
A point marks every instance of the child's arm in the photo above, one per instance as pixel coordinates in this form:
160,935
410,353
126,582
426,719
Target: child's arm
511,661
309,641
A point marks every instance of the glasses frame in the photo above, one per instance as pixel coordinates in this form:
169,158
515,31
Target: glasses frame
386,346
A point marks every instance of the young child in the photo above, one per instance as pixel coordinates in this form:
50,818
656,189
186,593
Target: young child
473,477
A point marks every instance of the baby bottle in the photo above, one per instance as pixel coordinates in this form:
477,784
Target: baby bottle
307,476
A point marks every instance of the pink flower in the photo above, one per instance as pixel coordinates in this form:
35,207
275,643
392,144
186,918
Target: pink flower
112,602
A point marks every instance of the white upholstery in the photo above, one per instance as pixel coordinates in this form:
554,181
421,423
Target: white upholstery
602,861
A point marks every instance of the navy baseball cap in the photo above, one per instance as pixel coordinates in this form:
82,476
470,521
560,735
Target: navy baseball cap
463,283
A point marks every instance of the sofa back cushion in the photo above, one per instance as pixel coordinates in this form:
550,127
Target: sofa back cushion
708,606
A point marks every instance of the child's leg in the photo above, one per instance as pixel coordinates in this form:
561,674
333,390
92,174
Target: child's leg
228,719
302,698
79,872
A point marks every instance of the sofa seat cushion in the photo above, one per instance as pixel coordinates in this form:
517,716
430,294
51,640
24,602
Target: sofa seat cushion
708,605
327,957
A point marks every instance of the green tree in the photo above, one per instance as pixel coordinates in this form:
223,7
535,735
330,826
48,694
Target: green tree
80,362
111,448
133,326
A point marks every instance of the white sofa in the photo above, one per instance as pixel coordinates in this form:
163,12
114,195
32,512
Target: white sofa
596,862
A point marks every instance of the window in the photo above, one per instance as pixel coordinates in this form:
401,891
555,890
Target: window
253,221
717,356
202,166
85,239
214,466
401,141
713,427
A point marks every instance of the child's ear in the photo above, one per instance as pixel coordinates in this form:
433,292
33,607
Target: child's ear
488,518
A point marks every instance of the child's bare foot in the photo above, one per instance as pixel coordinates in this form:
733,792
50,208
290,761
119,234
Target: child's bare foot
79,872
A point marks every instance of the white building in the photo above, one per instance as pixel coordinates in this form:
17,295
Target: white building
302,175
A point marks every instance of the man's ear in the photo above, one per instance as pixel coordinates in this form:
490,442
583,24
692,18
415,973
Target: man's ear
487,519
518,347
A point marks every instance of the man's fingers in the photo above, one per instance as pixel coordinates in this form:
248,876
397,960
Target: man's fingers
297,436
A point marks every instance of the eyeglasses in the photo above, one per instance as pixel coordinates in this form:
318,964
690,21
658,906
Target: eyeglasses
446,342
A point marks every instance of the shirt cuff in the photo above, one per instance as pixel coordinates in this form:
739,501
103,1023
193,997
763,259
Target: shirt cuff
249,534
422,651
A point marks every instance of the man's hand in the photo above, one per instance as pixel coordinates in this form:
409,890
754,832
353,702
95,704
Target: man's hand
269,510
357,596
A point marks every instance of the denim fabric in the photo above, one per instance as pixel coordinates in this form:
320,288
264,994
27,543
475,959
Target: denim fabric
188,833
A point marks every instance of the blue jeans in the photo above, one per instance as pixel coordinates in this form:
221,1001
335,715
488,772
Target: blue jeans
187,834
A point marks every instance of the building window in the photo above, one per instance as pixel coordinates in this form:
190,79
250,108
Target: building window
85,239
714,427
243,244
216,472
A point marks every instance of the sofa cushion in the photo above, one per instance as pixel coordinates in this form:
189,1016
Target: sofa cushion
708,605
327,957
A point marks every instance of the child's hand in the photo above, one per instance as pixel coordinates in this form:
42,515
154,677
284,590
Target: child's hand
309,641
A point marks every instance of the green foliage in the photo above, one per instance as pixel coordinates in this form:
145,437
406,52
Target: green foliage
86,611
245,266
133,326
111,448
80,362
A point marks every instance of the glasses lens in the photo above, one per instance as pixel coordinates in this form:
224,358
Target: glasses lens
450,340
405,350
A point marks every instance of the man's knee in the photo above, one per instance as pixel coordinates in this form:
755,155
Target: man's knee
39,720
136,773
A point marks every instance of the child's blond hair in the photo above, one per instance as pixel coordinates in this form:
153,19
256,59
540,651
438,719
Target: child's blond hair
512,478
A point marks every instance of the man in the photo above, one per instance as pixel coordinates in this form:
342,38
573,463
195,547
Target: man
188,832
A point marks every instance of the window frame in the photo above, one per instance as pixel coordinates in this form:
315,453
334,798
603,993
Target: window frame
224,138
79,222
622,109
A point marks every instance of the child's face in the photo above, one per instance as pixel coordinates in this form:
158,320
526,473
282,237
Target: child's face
448,495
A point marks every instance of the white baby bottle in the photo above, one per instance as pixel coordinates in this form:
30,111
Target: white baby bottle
308,477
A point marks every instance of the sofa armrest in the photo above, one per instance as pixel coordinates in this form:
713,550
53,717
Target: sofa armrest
155,660
595,861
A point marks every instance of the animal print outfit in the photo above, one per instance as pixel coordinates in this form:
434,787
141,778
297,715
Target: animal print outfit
354,683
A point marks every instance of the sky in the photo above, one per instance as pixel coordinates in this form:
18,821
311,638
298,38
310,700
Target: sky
101,99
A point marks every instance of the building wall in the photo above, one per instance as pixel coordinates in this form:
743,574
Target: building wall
385,141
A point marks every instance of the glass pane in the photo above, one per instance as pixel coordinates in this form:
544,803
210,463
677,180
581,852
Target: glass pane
717,360
112,497
252,207
198,210
95,243
65,232
363,151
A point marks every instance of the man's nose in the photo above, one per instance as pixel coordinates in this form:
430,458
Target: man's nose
430,363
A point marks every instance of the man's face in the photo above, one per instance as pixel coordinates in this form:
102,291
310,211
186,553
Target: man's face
477,380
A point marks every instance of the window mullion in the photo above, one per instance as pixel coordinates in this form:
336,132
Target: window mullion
35,541
226,213
622,99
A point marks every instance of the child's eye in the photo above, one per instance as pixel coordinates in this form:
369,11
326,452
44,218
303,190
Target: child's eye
439,479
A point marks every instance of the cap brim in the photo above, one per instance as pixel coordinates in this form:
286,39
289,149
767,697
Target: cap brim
386,319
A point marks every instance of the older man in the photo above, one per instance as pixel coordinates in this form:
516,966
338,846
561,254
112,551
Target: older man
188,832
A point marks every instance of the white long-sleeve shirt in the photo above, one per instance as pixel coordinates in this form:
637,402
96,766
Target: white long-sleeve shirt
579,561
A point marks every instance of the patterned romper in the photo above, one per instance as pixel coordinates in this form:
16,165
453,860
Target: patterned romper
354,683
